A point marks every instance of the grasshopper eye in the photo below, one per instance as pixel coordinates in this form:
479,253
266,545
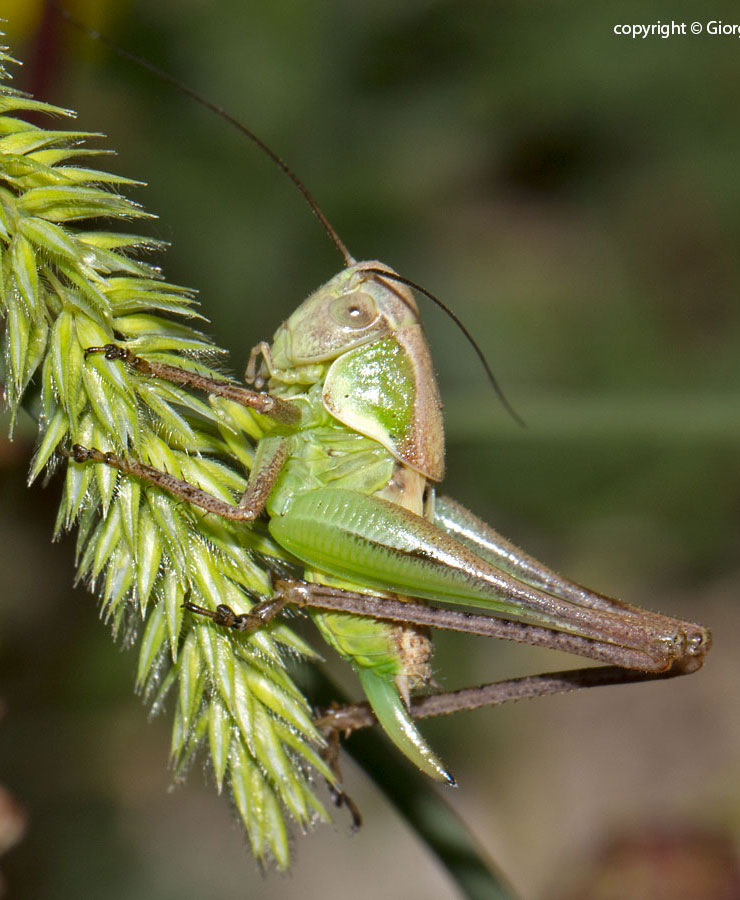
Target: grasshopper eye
354,311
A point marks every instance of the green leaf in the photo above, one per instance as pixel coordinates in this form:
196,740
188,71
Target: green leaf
110,240
110,534
66,362
105,476
55,432
219,739
38,337
53,156
173,596
191,683
15,102
170,526
18,327
50,238
129,498
23,264
26,141
280,701
152,642
65,204
118,580
171,422
78,174
148,556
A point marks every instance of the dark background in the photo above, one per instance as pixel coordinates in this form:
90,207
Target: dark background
575,197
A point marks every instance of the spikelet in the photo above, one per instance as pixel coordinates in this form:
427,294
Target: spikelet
65,287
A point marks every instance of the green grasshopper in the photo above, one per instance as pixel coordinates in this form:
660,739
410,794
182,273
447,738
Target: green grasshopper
346,474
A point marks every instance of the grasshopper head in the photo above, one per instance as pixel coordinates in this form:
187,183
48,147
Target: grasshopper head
379,379
352,309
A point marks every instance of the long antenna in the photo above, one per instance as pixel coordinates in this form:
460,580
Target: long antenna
219,111
349,260
393,276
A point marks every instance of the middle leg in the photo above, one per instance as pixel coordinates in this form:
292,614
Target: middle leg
271,454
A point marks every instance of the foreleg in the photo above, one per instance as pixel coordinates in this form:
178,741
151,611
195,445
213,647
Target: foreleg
283,411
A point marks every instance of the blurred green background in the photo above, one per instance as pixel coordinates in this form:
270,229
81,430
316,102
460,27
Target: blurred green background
575,197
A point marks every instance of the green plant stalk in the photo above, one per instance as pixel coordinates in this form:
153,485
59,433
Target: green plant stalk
67,284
